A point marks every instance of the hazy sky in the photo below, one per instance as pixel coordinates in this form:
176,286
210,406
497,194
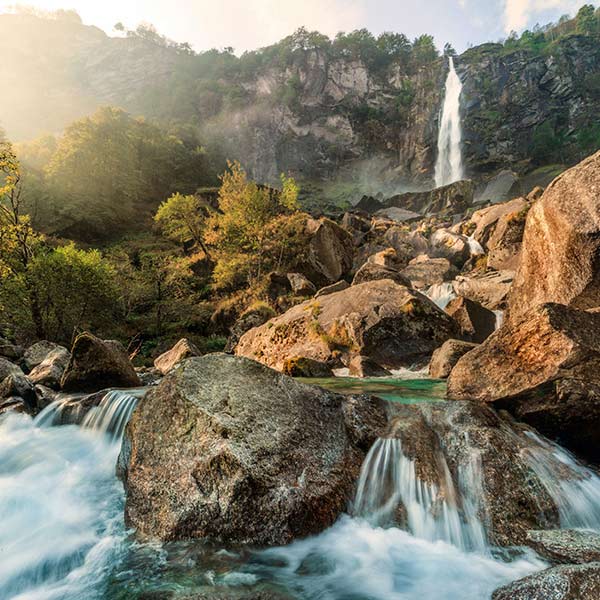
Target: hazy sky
248,24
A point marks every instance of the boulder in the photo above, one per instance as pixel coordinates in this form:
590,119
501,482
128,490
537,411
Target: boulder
37,352
476,322
446,356
171,358
545,370
483,222
97,364
450,199
363,366
389,258
453,246
500,187
390,323
301,286
478,465
331,289
226,449
568,546
405,243
373,272
329,252
51,370
398,215
14,404
368,204
491,289
11,351
19,386
278,285
423,272
561,244
8,368
572,582
301,366
504,245
253,317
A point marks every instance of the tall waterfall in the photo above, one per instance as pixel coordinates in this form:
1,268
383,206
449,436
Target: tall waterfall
449,167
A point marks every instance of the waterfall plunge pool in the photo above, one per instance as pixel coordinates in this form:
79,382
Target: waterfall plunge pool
63,537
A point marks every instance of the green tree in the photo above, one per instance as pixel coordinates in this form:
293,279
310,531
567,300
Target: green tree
586,20
183,219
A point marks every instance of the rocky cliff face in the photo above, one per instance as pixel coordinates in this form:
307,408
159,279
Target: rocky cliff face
327,120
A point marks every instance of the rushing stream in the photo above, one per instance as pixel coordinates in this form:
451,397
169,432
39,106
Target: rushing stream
62,534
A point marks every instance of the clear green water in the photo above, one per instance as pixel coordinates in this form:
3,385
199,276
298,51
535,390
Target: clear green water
406,391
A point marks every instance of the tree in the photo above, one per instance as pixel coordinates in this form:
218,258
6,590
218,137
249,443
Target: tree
424,51
586,20
183,219
241,232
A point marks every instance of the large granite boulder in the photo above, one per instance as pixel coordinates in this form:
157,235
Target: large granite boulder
450,199
476,322
389,323
225,448
373,272
8,368
11,351
446,356
453,246
97,364
300,366
423,272
255,316
569,582
504,245
483,222
329,252
561,244
488,289
50,371
36,353
171,358
18,386
545,370
568,546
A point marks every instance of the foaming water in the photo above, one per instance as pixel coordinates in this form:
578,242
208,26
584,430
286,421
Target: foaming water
441,294
61,508
355,560
389,484
449,167
574,488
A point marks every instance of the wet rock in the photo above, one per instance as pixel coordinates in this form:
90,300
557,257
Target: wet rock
573,582
486,460
389,323
97,364
450,199
301,366
561,244
36,353
374,272
8,368
446,356
301,286
171,358
490,289
331,289
476,322
423,272
227,449
568,546
363,366
45,396
51,370
545,371
453,246
14,404
17,385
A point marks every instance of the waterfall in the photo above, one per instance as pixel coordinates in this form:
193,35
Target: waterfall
441,293
110,416
574,488
448,167
389,490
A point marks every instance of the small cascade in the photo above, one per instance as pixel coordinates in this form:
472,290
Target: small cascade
449,167
574,488
110,416
441,293
389,491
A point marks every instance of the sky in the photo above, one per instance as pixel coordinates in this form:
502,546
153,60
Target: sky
250,24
